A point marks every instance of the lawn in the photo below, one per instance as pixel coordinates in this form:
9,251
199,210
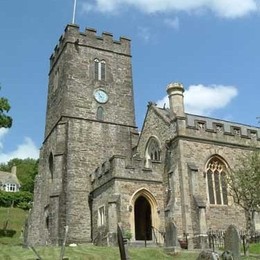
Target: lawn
89,252
16,218
11,249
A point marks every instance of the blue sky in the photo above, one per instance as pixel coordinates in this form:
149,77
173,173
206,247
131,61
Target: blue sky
211,46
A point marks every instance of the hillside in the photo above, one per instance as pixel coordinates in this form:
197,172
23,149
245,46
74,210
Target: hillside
14,218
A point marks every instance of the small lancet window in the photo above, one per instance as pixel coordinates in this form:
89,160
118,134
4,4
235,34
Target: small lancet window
51,167
100,113
217,187
56,79
100,69
101,216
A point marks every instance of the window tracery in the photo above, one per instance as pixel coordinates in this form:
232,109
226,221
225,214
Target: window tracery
217,187
153,151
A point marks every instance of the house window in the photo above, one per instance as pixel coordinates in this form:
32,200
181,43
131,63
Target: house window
217,188
11,187
100,69
101,216
100,113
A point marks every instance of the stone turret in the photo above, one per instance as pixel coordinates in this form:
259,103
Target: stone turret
175,93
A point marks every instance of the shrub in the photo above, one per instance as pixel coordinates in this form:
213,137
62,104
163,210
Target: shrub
20,199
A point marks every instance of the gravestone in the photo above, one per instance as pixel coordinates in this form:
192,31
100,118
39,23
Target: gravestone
121,243
171,235
232,242
208,255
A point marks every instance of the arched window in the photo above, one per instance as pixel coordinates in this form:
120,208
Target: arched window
217,188
152,151
100,113
51,165
100,69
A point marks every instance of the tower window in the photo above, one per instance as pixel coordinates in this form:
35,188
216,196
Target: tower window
217,188
56,79
100,69
100,113
101,216
51,168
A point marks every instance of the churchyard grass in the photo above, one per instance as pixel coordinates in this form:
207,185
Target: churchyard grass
89,252
11,249
254,249
16,218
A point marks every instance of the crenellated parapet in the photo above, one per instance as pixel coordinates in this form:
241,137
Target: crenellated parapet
200,124
89,38
117,168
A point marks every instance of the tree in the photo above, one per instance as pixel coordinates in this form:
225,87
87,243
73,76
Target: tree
26,171
5,120
244,183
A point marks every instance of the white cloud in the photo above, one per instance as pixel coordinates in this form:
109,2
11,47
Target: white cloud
222,8
144,33
174,23
25,150
3,133
204,100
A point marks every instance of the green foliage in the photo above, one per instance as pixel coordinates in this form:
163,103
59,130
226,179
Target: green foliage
26,171
127,234
244,183
21,199
254,248
5,120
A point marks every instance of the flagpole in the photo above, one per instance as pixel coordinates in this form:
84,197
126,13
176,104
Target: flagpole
74,11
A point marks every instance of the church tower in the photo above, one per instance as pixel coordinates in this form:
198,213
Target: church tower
90,117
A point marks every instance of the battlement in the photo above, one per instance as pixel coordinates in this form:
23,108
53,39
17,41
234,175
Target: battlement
116,167
211,125
89,38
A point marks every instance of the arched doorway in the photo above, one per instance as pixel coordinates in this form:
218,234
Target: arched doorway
143,220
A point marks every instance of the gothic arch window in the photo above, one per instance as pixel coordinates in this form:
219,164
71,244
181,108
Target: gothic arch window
100,69
100,113
152,151
51,167
216,171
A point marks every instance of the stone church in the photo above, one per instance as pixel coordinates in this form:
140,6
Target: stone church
96,170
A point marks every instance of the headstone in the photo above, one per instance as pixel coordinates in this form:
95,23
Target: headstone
232,242
227,255
171,235
121,243
208,255
64,244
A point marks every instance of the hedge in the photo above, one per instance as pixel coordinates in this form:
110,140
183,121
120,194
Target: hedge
20,199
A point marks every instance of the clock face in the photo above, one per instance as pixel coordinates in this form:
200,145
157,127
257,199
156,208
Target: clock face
101,96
